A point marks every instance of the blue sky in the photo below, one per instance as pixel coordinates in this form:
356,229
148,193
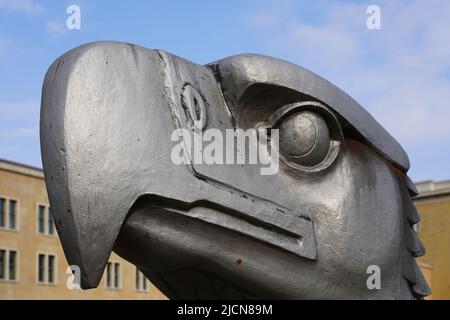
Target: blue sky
400,73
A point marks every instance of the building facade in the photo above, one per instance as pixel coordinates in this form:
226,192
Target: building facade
32,262
33,265
433,203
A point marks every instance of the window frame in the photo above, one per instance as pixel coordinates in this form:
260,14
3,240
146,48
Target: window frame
53,269
46,268
113,263
141,283
7,266
7,214
46,218
3,220
39,206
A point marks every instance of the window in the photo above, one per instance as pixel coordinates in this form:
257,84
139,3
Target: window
113,276
8,265
46,268
2,264
12,214
140,281
51,269
41,271
50,225
12,264
45,223
41,215
2,212
8,214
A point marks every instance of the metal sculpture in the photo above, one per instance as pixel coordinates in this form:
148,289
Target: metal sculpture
340,202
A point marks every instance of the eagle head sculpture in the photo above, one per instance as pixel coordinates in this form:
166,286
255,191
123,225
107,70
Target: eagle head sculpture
339,203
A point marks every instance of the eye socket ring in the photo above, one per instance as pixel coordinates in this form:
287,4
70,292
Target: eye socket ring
310,135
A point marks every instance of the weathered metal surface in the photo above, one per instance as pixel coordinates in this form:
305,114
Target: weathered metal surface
217,230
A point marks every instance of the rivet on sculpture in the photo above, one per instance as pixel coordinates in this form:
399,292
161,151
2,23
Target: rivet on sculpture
339,203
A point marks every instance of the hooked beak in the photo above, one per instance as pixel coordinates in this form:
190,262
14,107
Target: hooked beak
107,117
92,132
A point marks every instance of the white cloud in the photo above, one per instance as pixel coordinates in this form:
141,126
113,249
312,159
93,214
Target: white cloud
56,28
20,132
401,73
416,113
26,6
269,17
9,110
263,19
319,42
19,127
19,119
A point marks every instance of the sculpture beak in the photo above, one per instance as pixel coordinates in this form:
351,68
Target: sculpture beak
93,134
108,114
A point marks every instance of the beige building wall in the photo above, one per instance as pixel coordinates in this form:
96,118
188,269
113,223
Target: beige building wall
26,186
433,204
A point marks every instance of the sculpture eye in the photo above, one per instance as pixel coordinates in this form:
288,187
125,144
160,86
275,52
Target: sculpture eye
309,135
304,138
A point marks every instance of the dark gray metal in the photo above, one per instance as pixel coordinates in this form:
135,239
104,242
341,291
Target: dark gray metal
223,231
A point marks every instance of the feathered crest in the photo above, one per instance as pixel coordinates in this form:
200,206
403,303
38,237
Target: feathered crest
413,246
